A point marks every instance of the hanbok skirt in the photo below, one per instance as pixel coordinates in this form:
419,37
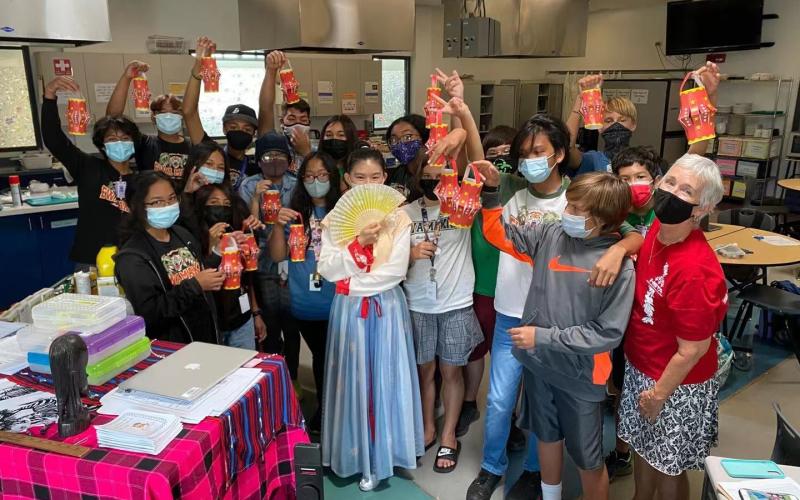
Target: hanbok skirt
372,414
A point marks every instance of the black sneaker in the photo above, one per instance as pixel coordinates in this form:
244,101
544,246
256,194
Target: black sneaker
527,487
618,464
516,439
483,486
469,414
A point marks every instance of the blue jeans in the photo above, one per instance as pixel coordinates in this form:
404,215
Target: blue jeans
243,337
504,378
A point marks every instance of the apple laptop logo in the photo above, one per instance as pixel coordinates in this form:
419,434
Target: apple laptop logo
192,366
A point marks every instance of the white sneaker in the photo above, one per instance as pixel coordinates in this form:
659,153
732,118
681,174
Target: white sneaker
368,483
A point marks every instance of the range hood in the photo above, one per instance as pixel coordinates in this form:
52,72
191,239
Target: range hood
339,26
73,22
528,28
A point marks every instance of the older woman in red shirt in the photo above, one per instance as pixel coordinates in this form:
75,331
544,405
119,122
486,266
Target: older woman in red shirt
669,406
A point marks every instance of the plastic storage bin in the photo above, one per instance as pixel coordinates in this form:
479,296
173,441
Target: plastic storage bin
85,314
102,372
35,339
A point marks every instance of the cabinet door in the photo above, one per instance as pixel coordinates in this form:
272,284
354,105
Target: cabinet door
175,72
349,87
154,83
504,107
371,87
22,273
56,232
102,73
323,88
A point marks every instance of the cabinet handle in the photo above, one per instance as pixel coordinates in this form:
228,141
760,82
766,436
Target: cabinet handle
30,226
41,222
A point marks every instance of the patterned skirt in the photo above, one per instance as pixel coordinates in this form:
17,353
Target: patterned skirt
684,432
372,414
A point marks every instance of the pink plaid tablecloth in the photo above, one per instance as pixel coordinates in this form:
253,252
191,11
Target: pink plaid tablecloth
224,457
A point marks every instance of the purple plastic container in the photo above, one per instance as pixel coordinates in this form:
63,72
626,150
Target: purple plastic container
115,338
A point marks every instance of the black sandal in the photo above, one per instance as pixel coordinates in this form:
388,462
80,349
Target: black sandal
432,442
447,453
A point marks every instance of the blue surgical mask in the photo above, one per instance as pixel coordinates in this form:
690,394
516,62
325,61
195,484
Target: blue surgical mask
169,123
317,188
119,151
163,217
212,175
536,170
575,226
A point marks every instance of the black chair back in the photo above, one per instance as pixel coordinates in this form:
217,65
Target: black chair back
787,441
747,217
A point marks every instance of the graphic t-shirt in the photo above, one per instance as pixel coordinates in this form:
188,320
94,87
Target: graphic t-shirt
526,209
179,263
680,293
169,158
455,278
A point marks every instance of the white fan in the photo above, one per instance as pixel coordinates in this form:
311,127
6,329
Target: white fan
359,207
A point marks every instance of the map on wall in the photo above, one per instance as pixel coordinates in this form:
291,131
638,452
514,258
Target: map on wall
16,119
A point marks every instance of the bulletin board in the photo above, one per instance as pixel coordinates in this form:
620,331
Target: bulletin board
18,118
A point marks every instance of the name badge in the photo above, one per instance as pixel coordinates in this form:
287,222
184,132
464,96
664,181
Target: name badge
314,283
430,290
119,189
244,303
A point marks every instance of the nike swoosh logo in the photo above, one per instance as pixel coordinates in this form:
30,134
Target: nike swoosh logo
555,266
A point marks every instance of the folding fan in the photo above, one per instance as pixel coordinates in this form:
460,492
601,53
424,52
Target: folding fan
359,207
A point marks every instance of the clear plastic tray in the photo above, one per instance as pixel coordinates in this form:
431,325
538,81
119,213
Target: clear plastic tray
35,367
35,339
42,356
102,372
86,314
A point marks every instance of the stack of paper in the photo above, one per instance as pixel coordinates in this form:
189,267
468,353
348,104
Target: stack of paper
213,403
139,431
761,489
12,359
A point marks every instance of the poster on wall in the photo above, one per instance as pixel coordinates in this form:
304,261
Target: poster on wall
177,88
640,96
103,91
324,92
62,67
612,93
349,103
371,92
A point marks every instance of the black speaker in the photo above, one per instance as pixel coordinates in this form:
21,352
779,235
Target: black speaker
308,471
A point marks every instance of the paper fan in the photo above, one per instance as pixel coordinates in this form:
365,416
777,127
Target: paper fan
359,207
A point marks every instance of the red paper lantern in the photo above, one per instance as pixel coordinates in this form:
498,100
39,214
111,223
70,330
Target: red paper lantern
289,86
297,242
447,190
592,108
249,250
77,116
141,94
270,206
210,74
231,264
696,114
468,202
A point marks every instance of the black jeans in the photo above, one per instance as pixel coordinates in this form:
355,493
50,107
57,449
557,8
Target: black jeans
315,333
282,334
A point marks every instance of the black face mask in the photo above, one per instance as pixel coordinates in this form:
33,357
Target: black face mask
616,138
670,209
428,186
214,214
503,164
337,148
239,139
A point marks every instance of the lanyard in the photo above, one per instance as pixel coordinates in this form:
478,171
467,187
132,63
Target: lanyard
242,164
437,229
315,228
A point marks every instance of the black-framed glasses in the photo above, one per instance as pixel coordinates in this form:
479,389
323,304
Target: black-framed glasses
311,177
162,203
405,138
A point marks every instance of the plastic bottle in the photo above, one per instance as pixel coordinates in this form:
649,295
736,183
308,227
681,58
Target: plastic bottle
105,261
16,194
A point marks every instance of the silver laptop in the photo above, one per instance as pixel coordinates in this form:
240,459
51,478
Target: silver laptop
189,372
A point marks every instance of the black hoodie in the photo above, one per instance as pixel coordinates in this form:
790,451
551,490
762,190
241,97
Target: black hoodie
177,313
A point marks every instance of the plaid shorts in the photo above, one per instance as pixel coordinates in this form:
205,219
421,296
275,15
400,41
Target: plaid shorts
451,336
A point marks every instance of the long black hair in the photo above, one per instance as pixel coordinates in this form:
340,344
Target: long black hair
239,210
301,200
199,155
135,194
555,130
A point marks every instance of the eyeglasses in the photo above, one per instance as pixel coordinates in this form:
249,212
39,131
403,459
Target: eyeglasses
311,177
162,203
406,138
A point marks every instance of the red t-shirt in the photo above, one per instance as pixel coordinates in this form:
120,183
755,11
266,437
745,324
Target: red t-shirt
680,292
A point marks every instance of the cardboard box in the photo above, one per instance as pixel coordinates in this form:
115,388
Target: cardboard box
726,187
761,148
746,168
727,166
730,146
739,189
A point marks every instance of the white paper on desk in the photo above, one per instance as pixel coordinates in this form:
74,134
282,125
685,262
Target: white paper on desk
7,328
780,241
22,407
785,486
213,403
12,359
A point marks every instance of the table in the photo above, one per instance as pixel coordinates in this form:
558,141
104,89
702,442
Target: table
716,474
724,230
764,254
790,184
248,452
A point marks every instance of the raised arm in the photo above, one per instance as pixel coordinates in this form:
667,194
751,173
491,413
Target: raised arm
266,98
574,119
54,138
709,76
191,98
116,104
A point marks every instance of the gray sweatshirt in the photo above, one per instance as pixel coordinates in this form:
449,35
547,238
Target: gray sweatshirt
577,326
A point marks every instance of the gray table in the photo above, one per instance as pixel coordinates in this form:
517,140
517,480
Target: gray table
716,474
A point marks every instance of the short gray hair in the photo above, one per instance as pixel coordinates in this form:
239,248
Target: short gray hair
711,189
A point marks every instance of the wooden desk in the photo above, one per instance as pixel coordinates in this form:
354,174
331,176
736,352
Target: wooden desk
716,474
725,230
764,254
790,184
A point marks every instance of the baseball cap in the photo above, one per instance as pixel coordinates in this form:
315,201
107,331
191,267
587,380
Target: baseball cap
240,112
272,141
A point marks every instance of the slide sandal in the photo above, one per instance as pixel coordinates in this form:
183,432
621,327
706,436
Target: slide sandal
447,453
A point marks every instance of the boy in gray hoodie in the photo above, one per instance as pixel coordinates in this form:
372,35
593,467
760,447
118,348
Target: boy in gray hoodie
570,327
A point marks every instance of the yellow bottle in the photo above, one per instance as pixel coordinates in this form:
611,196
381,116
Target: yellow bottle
105,261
